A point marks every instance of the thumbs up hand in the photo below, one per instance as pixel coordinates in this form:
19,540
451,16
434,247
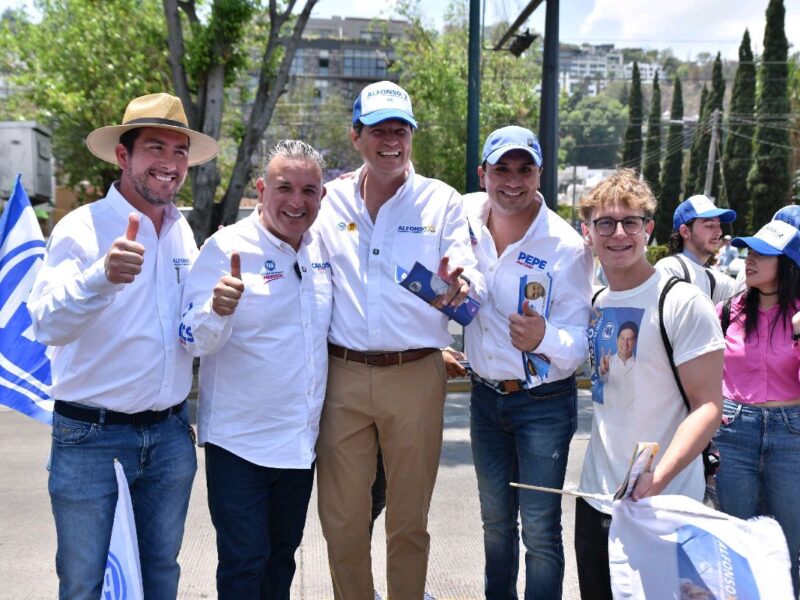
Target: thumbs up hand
527,329
126,256
229,289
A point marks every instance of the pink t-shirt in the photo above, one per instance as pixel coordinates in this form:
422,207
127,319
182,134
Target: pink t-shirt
760,369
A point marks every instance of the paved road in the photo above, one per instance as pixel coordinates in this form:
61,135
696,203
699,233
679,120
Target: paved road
27,534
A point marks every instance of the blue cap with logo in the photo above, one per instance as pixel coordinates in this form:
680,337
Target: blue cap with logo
700,207
510,138
789,214
774,238
382,101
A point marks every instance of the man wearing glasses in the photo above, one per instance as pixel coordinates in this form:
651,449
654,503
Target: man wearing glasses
617,216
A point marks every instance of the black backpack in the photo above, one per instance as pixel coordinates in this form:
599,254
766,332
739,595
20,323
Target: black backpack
712,283
711,458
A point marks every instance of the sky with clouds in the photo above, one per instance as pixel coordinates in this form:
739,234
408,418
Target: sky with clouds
687,26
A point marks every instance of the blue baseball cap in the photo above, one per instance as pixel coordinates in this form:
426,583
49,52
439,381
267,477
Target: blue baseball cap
774,238
382,101
510,138
700,207
789,214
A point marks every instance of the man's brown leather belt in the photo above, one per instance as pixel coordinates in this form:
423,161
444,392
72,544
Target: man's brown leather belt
504,386
379,359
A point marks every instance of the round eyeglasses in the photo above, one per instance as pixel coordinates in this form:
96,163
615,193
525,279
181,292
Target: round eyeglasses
606,226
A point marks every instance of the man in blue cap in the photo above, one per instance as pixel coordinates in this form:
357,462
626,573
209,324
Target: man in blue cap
524,347
696,237
386,378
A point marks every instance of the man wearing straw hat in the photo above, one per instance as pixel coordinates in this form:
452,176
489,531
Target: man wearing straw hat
108,301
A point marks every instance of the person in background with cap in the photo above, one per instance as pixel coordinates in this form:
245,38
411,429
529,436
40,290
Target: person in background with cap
696,235
521,427
726,254
108,300
386,381
758,438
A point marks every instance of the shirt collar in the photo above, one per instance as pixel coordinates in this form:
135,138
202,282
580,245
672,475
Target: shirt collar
122,207
692,257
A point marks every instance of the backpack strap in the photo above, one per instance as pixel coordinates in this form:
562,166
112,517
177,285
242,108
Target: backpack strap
712,282
682,262
665,339
725,316
597,293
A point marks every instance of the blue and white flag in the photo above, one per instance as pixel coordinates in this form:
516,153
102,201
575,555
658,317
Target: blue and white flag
123,577
675,548
24,365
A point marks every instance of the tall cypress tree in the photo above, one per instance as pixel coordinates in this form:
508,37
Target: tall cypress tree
698,155
768,181
652,144
632,148
673,167
716,99
737,157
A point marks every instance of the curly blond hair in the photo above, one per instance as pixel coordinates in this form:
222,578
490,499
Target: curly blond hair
621,187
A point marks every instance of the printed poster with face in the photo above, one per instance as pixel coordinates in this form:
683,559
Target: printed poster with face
613,340
535,290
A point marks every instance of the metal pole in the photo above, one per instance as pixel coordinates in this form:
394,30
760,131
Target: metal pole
473,94
712,147
548,116
574,188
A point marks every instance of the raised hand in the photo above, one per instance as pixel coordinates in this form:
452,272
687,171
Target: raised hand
457,289
126,256
229,289
605,361
527,329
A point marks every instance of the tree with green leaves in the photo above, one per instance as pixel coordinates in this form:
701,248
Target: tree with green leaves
77,69
651,163
432,66
737,156
206,55
768,181
672,169
698,154
590,132
632,147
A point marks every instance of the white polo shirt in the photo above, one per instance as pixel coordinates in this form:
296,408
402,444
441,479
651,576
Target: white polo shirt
263,369
550,256
114,346
424,221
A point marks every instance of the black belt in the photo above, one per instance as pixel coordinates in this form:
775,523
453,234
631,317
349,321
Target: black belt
111,417
379,359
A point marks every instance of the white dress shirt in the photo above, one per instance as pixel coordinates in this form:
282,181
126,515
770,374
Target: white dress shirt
423,222
550,254
114,346
263,369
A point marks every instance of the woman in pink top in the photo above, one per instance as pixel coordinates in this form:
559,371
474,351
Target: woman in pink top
759,439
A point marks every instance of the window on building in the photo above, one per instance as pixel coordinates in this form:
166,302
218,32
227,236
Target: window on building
297,62
364,63
324,62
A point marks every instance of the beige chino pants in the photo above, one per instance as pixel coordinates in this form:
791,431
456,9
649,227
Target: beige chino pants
400,407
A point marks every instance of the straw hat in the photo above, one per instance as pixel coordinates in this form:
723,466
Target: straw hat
161,111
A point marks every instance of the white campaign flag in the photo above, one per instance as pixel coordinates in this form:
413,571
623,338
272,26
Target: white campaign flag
123,577
675,548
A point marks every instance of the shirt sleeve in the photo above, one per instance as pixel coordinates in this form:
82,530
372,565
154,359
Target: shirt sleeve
565,340
202,331
456,246
692,323
70,289
725,286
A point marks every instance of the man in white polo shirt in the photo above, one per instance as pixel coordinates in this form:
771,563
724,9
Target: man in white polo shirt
538,271
108,300
387,380
695,238
257,309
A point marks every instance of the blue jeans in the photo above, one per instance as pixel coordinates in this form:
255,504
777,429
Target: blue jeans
159,462
760,467
259,514
523,437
